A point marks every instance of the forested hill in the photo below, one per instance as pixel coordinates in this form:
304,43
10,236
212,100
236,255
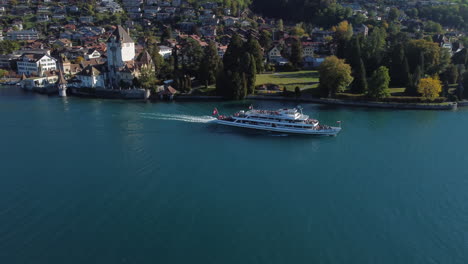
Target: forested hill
320,12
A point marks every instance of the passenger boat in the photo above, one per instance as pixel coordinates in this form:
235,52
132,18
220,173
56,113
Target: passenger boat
281,120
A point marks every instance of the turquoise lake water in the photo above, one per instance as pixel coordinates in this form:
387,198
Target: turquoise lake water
102,181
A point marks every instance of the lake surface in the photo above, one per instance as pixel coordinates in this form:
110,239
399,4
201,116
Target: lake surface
102,181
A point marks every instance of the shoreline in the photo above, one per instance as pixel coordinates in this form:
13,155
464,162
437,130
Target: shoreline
324,101
383,105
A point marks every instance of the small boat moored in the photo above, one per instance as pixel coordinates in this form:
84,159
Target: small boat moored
281,120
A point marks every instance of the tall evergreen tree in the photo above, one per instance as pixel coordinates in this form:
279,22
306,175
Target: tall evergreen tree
397,56
460,57
379,83
280,25
463,87
234,80
237,81
354,54
406,74
296,53
175,55
249,69
167,33
359,84
265,39
253,47
192,54
231,58
158,60
450,75
209,65
412,88
222,85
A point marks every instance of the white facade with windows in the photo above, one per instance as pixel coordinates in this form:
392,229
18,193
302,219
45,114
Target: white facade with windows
36,64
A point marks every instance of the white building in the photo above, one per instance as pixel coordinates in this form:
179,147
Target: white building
31,63
165,51
91,77
92,54
120,50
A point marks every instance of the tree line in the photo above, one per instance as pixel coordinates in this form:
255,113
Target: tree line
234,75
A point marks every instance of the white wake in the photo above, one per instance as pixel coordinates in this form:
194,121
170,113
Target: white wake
182,118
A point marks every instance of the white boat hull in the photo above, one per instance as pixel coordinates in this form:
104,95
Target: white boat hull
329,132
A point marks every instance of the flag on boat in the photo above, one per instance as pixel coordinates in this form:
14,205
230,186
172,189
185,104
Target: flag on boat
215,111
250,107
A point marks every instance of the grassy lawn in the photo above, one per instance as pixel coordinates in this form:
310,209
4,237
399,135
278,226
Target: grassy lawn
302,79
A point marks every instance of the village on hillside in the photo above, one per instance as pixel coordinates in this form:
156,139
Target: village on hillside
160,45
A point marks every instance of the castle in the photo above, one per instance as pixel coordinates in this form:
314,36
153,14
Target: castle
122,66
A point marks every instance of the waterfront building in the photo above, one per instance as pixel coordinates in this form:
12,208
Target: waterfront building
120,56
33,63
62,85
91,77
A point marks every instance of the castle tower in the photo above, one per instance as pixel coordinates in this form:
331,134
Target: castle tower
64,64
120,49
62,85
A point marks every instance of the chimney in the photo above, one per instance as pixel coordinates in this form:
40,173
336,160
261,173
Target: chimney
128,31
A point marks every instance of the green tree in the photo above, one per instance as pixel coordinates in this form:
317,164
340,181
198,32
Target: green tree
234,51
464,86
8,46
444,60
412,87
192,54
265,39
359,84
253,47
297,91
166,34
237,85
167,69
399,68
429,51
250,71
433,27
298,30
233,81
3,73
210,64
393,14
296,53
373,49
222,88
450,74
460,57
343,31
379,82
280,25
335,76
158,60
147,78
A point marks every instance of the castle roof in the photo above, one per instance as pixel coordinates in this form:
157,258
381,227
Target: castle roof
90,71
121,35
144,58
